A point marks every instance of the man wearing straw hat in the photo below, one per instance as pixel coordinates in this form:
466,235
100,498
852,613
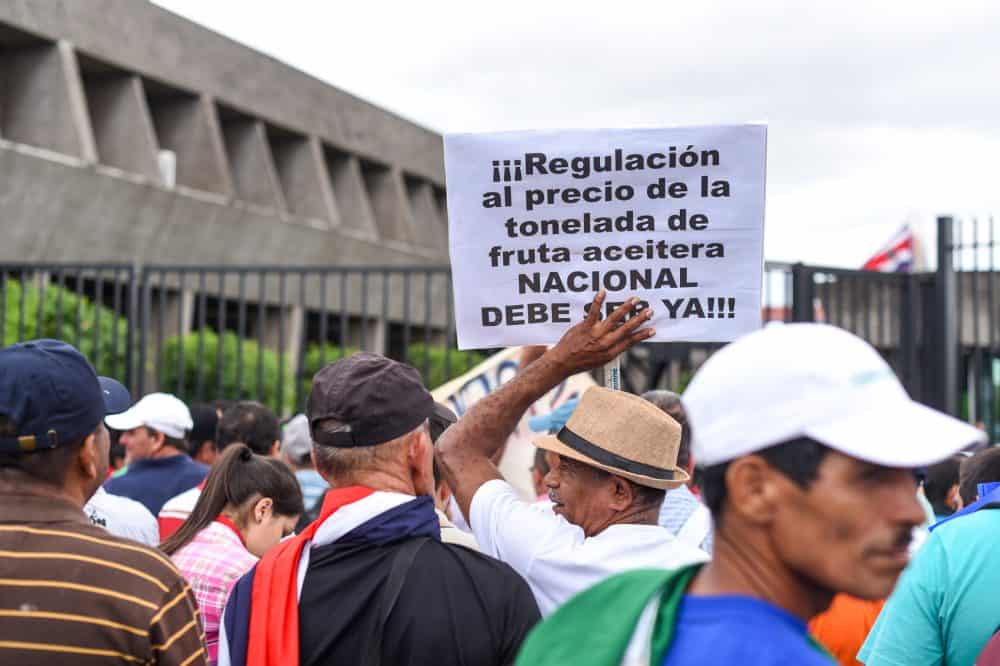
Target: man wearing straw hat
609,469
808,443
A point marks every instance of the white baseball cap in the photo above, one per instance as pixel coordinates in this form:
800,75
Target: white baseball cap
160,411
816,381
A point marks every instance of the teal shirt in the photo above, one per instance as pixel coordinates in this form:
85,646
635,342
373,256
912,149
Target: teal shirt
947,603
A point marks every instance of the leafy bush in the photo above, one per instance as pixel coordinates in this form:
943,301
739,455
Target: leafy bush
244,389
313,359
316,356
433,369
59,321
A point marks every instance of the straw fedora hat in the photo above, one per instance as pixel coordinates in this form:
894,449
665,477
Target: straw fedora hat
623,434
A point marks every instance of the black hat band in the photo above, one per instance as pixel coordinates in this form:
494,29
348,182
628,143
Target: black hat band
605,457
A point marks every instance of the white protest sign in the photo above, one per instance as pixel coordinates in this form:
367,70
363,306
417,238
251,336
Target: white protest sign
541,221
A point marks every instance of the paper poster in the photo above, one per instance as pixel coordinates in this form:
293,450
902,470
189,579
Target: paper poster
463,392
541,221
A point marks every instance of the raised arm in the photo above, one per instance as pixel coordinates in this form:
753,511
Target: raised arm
529,355
465,449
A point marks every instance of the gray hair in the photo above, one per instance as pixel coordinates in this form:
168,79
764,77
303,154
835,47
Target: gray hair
342,463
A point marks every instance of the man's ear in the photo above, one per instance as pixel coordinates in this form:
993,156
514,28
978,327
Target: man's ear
754,489
622,493
275,451
954,499
88,458
159,439
417,449
442,494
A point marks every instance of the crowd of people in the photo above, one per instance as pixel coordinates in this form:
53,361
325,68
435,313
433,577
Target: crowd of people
791,507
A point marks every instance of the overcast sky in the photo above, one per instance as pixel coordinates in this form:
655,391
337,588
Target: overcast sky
878,113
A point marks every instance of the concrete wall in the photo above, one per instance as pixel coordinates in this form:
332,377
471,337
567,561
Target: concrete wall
59,209
151,41
270,165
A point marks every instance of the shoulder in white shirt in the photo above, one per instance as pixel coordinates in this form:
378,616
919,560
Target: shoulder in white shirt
555,556
123,517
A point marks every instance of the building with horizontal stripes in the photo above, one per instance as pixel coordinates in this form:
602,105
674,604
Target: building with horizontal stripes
131,135
128,132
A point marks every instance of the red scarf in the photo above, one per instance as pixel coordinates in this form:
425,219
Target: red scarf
274,610
222,520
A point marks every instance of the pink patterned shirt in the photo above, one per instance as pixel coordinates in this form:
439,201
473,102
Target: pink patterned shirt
212,562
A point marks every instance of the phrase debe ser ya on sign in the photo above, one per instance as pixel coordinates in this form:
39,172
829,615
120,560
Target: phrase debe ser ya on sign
540,221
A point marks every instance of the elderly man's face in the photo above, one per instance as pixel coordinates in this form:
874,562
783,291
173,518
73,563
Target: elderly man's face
850,530
579,493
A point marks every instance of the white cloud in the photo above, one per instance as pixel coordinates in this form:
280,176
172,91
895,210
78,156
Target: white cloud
878,111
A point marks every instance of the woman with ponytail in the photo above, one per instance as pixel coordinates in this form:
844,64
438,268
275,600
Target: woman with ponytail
248,505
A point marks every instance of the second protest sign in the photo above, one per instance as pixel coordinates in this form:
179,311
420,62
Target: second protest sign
541,221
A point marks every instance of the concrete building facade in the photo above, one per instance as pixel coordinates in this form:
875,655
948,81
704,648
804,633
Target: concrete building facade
128,133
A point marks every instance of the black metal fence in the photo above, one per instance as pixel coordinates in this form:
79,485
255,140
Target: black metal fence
967,256
85,304
671,365
261,332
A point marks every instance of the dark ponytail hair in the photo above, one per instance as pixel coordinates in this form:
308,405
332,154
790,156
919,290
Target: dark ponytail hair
238,476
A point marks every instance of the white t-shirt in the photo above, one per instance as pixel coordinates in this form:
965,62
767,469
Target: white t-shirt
555,556
451,534
123,517
176,510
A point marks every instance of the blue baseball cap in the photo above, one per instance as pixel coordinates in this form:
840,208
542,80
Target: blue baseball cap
53,396
554,420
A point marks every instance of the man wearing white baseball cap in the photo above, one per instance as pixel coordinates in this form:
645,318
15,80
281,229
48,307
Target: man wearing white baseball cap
153,434
808,441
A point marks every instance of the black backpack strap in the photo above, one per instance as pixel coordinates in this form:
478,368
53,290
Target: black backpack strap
402,560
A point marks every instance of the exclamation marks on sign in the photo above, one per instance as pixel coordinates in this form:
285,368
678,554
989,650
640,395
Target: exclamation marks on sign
502,171
721,308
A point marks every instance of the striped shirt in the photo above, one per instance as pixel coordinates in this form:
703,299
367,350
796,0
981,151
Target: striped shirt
212,562
72,593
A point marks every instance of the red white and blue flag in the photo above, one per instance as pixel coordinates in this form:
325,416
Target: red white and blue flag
896,256
260,624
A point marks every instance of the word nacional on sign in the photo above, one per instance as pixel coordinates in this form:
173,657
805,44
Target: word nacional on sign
540,221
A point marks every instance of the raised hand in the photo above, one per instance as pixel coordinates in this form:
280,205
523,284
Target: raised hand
595,341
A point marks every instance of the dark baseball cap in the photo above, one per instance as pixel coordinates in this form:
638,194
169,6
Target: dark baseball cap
377,399
440,420
53,396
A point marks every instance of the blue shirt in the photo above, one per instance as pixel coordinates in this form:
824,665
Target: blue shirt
155,480
947,603
742,631
312,484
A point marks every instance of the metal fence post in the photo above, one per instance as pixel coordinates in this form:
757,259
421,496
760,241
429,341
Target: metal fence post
132,319
909,326
803,293
946,302
141,308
